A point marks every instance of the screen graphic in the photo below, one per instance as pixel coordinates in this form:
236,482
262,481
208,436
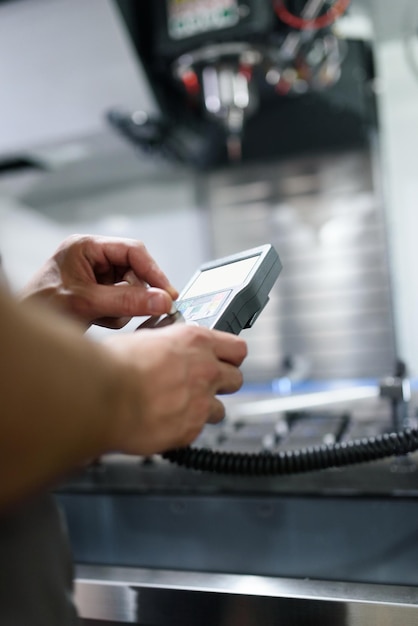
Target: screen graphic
220,278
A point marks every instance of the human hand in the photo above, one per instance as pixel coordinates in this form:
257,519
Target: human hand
172,376
103,280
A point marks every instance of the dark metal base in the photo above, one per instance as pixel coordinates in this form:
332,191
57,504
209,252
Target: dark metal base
356,539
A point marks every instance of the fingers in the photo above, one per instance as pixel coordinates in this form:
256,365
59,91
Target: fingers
230,379
225,346
176,376
116,323
123,301
218,412
229,347
225,353
130,278
134,255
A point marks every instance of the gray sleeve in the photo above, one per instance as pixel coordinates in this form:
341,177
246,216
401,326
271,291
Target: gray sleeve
36,575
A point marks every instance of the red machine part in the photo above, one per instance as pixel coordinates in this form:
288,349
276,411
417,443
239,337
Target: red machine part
299,23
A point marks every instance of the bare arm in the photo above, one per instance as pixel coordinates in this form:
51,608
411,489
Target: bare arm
57,394
65,399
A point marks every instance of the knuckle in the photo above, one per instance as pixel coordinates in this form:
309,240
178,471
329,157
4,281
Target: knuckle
199,335
140,246
132,301
140,250
79,302
75,240
127,302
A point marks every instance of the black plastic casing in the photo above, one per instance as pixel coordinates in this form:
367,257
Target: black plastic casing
259,19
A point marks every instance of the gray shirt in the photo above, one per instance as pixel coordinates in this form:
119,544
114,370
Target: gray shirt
35,567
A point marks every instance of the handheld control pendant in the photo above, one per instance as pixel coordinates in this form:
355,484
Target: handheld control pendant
227,294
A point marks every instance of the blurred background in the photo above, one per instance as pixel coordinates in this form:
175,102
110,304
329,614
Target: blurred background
205,128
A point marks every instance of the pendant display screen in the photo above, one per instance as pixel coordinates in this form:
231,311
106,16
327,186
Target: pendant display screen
202,307
221,278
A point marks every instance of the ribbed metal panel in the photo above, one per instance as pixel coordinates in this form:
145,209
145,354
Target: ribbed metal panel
331,310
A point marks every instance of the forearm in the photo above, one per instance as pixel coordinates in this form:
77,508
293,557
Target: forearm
59,393
66,400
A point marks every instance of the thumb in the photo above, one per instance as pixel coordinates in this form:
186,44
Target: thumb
124,300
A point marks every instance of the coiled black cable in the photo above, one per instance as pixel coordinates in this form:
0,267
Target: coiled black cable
296,461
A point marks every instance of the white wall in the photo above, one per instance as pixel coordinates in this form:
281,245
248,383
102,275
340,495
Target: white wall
399,140
63,63
175,237
26,240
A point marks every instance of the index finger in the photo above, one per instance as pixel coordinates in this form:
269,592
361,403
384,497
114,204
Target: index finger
228,347
133,254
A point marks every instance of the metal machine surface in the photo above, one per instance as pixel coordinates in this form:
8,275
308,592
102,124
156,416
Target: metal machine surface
163,598
155,543
130,511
